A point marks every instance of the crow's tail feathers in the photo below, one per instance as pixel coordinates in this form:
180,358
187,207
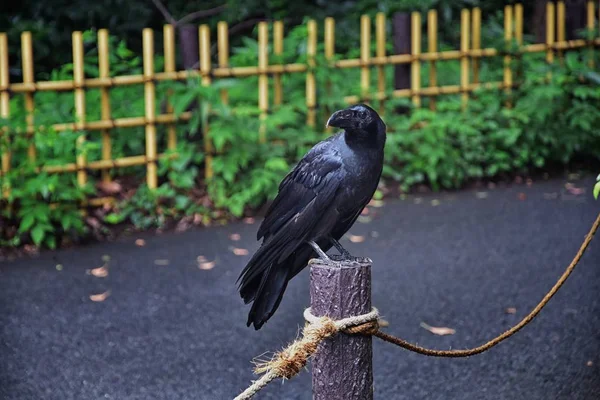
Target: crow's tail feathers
263,282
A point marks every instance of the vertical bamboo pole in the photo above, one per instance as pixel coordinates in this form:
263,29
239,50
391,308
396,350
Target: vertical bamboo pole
329,53
591,29
278,51
4,107
508,25
415,71
560,21
263,80
380,39
169,53
223,47
205,67
78,79
329,38
464,59
365,50
476,41
311,89
432,46
103,67
550,34
150,110
519,23
27,61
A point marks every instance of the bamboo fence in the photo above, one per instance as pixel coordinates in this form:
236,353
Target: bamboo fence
469,56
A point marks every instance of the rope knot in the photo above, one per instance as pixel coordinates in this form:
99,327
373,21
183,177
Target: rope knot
367,329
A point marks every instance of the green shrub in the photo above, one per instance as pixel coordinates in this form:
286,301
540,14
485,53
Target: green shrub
549,121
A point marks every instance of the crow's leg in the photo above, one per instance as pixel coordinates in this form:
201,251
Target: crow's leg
343,252
320,252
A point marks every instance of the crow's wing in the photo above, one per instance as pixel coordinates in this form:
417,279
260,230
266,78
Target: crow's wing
314,177
302,206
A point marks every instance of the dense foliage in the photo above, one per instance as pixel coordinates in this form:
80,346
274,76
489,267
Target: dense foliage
549,121
51,22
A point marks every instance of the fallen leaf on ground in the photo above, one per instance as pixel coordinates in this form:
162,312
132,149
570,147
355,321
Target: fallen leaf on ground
356,238
574,190
161,262
100,272
106,258
140,242
249,220
522,196
435,202
529,182
364,220
481,195
198,219
418,200
511,310
206,265
240,252
100,297
235,237
110,187
589,363
201,259
438,330
59,267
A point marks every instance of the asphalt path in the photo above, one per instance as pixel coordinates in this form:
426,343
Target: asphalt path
475,261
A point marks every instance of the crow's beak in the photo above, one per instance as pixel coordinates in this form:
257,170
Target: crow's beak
335,119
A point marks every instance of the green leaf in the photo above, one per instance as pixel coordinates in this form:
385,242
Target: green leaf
26,223
37,234
597,190
182,202
114,218
182,102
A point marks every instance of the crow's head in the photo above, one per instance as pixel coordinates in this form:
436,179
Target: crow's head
358,119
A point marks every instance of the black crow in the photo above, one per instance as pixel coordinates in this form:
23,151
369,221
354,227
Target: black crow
318,201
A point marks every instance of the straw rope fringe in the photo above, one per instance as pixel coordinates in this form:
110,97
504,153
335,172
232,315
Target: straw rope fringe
290,361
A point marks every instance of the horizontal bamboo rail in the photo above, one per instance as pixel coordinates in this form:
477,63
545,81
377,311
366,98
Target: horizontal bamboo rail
240,72
268,70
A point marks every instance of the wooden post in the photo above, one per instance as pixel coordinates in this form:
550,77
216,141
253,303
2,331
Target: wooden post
342,368
401,26
190,48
